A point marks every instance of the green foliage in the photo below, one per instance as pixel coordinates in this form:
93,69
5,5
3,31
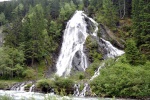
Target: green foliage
108,14
6,97
44,85
2,19
11,62
27,87
132,53
78,76
66,11
86,3
3,85
141,25
35,34
55,7
17,12
64,86
123,80
91,69
92,46
29,74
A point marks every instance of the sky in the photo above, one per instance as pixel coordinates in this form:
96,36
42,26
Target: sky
4,0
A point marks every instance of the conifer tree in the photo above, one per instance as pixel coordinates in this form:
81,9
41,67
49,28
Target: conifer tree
34,33
133,55
141,25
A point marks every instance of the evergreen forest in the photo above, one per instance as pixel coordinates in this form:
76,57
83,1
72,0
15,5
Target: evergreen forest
31,35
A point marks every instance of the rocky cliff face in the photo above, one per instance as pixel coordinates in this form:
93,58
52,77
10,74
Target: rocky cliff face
108,35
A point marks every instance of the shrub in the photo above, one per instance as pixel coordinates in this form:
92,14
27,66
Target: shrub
64,85
2,85
78,76
123,80
91,69
45,85
29,74
93,52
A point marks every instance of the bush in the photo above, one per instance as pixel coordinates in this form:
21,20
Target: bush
93,50
123,80
91,69
6,84
61,86
3,85
44,85
64,86
78,76
29,74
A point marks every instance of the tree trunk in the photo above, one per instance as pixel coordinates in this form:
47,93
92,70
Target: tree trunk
120,10
32,61
124,9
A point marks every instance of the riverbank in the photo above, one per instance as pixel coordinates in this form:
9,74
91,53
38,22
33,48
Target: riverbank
21,95
7,84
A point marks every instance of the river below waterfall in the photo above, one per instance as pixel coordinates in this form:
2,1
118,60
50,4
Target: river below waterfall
21,95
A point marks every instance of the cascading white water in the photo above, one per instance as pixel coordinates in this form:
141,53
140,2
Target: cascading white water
111,51
73,40
76,90
31,88
74,37
97,72
22,88
85,89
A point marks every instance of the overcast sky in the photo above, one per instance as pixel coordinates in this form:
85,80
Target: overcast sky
4,0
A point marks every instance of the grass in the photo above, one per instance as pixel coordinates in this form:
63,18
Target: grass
41,70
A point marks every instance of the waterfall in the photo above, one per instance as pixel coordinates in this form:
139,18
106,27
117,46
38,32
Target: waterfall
110,52
22,87
85,89
31,88
74,37
97,72
109,49
19,86
76,89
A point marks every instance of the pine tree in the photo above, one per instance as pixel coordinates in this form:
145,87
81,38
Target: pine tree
107,14
54,9
133,55
141,25
34,33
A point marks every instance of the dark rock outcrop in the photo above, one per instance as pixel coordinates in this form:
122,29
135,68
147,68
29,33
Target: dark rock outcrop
107,34
76,63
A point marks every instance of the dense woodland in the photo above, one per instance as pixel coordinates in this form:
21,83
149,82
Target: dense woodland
33,31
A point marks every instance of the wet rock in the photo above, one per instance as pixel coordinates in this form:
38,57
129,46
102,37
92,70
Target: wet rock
108,35
76,63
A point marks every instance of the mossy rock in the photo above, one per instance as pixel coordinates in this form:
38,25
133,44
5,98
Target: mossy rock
93,51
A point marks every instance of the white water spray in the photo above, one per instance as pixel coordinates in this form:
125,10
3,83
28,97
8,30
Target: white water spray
73,40
31,88
111,51
74,37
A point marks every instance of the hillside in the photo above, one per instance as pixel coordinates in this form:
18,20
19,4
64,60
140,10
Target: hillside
45,38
